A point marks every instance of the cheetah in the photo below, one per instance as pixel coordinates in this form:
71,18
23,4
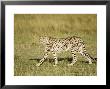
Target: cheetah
56,45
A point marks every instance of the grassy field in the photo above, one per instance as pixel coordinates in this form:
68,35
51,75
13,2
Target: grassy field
28,51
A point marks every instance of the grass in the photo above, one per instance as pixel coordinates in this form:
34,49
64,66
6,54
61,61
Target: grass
28,51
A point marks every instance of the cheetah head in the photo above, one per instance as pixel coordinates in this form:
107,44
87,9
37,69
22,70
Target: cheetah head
43,40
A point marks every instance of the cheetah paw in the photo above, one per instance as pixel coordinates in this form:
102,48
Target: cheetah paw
90,62
70,64
54,65
38,64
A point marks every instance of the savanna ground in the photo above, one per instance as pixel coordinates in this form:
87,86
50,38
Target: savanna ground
28,51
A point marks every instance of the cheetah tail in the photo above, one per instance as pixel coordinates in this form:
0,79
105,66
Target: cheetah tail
94,59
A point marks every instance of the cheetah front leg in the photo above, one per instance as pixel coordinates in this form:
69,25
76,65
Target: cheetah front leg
74,58
55,58
42,60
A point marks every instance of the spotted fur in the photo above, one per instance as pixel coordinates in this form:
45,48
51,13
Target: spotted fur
56,45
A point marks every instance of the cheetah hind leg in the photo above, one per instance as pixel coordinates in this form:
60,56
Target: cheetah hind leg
84,53
74,59
89,58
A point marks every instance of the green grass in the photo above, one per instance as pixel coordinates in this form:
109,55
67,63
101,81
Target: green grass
28,51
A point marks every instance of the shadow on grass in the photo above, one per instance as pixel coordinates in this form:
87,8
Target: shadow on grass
52,60
60,59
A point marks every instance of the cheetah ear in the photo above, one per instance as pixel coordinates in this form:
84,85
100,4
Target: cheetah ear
40,37
45,36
